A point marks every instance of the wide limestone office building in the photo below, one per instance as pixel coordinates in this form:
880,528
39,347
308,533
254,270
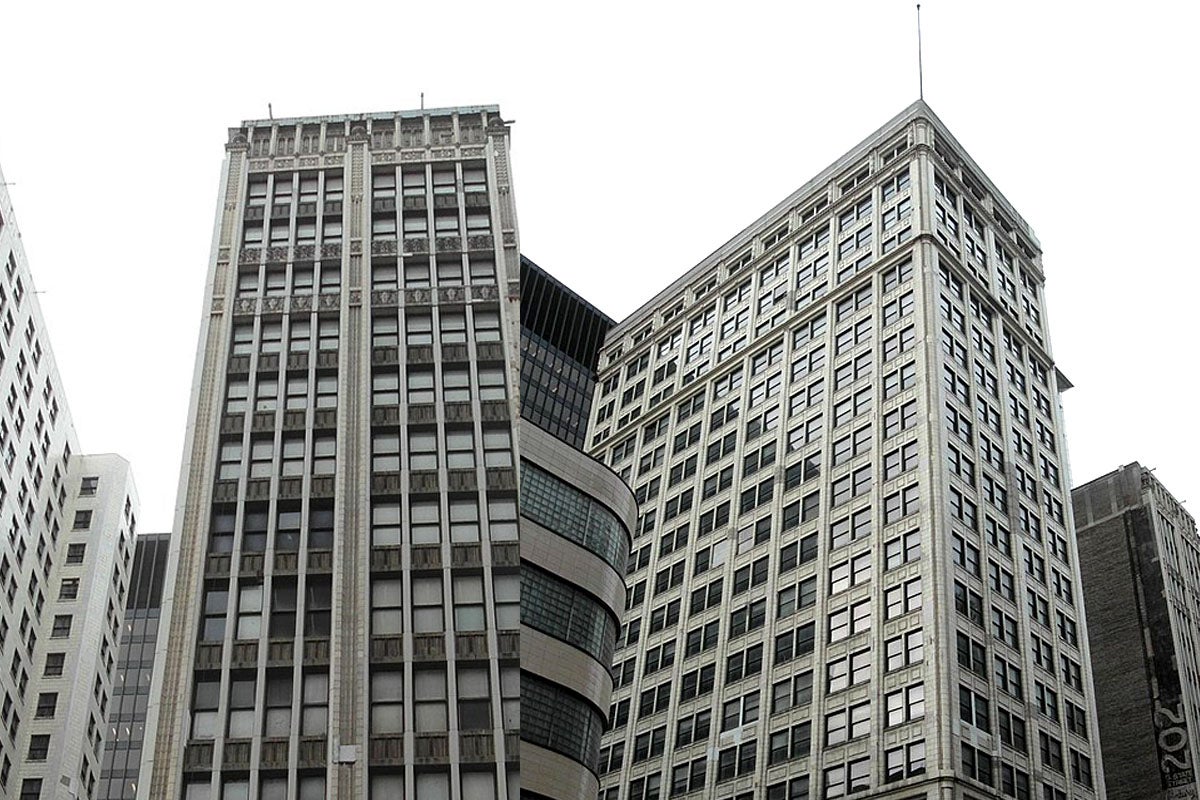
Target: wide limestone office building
854,571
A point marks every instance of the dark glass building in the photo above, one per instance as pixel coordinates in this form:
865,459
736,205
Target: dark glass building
561,335
135,665
576,518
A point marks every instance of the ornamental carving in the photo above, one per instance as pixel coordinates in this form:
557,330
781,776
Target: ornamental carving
416,245
306,252
469,152
249,255
331,250
480,242
283,163
302,302
416,296
383,247
358,133
447,244
383,158
443,152
485,292
245,305
510,239
451,294
309,161
223,254
412,155
356,247
273,305
218,304
384,297
259,165
277,254
355,297
334,161
330,301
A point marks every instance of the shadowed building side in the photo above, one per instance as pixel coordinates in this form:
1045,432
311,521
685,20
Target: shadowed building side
1139,557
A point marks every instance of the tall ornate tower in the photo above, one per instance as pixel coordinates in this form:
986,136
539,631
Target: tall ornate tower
344,589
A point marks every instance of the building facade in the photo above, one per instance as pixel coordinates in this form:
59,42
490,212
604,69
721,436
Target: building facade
1139,556
126,730
576,518
64,564
344,610
854,571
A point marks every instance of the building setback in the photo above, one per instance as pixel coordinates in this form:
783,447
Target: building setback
126,733
576,517
854,571
344,609
64,564
1140,561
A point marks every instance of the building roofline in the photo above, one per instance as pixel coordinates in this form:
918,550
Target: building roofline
1108,475
372,115
567,290
919,109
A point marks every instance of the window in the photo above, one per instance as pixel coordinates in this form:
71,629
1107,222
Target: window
83,520
902,598
68,589
62,626
740,711
39,747
788,744
854,776
1050,749
87,486
314,704
977,764
241,707
850,620
905,650
791,692
795,643
54,665
205,700
318,607
902,550
973,709
971,655
904,761
905,705
474,699
852,670
47,705
737,760
1081,768
1012,729
468,604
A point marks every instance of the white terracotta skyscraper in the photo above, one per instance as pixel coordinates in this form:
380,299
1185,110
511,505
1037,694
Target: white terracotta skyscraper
70,521
855,569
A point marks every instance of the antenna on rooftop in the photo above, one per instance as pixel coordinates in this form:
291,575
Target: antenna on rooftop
920,59
271,113
422,101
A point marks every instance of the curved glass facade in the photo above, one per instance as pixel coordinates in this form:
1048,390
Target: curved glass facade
573,515
567,613
559,720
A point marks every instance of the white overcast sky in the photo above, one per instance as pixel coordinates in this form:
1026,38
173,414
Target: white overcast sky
646,135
